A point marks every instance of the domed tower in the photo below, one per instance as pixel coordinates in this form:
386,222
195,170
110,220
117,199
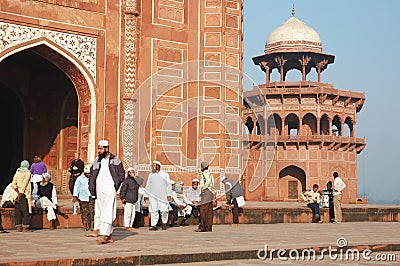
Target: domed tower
313,123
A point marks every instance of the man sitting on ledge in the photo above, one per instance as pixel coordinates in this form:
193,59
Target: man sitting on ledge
45,196
313,198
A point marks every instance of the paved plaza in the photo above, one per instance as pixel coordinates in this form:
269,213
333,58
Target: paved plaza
182,244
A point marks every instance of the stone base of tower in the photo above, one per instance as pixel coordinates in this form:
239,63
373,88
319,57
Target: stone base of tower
294,169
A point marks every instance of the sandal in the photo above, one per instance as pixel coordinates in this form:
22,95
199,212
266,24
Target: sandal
101,239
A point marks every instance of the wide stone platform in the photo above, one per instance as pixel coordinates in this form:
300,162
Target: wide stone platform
182,244
252,213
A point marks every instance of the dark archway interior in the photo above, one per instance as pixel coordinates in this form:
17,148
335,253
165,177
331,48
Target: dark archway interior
39,101
11,135
295,172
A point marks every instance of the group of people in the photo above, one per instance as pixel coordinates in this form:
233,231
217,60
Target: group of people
334,194
30,186
95,186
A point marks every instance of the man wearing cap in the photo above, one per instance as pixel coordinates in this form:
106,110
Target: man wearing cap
45,196
165,175
233,190
129,195
192,199
207,198
107,176
157,187
75,169
82,195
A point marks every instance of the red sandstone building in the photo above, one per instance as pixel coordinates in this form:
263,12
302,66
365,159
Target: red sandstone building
311,125
74,72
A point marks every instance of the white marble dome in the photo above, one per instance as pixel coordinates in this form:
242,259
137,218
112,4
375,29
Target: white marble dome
294,34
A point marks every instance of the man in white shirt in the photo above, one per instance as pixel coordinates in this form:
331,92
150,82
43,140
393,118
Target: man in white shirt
7,198
156,188
338,186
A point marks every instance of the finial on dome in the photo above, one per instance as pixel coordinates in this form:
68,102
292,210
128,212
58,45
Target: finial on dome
293,11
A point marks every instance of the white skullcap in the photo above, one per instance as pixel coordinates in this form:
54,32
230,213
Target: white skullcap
103,143
130,169
195,180
172,182
86,169
46,176
157,162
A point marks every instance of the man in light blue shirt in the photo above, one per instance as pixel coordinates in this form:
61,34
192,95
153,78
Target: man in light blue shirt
82,195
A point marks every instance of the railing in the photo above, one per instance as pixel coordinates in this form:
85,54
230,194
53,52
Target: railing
306,87
308,138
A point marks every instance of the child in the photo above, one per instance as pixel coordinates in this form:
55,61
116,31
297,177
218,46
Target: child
86,202
129,195
313,197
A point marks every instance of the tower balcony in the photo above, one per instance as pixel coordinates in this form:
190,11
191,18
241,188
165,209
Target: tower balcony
328,142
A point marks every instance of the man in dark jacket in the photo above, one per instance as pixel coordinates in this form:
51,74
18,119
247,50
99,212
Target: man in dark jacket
75,169
233,190
106,178
129,195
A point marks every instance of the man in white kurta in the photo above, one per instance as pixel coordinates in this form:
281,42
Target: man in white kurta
106,202
107,174
156,188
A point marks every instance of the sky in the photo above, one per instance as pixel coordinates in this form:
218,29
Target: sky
364,36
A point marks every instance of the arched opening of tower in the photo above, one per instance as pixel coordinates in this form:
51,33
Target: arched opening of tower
324,125
42,114
309,125
292,125
292,181
249,125
293,75
348,127
336,126
274,125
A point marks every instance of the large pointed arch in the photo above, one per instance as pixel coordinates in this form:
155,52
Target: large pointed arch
80,77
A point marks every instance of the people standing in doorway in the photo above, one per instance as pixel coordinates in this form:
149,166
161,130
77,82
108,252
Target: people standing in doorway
22,197
75,170
45,196
338,186
156,188
233,190
82,195
207,199
129,196
107,176
38,168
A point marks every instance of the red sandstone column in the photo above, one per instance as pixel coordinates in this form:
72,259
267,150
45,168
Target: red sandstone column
267,72
304,62
281,63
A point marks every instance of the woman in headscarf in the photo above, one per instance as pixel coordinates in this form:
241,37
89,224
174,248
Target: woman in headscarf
22,197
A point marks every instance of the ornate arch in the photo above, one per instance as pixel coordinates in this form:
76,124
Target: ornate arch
80,76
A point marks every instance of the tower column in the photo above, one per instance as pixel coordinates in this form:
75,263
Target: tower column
320,67
267,72
304,62
281,63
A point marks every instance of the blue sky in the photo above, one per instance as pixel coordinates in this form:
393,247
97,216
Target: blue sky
364,36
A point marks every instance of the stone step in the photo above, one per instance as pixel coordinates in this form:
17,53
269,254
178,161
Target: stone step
256,213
